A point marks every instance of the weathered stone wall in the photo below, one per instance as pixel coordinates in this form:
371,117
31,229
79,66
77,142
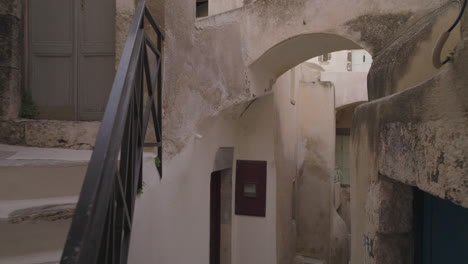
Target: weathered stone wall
406,59
123,18
11,57
417,137
49,133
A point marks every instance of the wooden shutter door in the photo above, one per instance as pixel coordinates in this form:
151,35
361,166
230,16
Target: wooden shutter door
51,59
95,56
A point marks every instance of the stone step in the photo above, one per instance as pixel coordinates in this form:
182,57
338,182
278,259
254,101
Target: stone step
29,227
52,257
16,211
34,173
33,179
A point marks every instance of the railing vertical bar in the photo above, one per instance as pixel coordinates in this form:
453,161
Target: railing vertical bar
132,155
160,113
140,111
150,102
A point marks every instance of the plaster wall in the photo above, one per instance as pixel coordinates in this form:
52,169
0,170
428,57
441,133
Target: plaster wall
305,136
361,61
350,87
337,63
285,97
319,228
221,6
255,237
172,216
176,208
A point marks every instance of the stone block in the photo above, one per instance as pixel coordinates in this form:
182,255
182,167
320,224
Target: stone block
389,207
11,42
11,132
9,93
393,249
61,134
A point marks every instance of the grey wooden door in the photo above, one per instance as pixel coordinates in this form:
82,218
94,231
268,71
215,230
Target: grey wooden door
71,57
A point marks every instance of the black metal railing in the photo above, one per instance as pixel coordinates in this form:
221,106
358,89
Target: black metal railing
101,227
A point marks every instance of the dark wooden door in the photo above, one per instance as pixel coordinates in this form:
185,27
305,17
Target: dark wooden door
215,218
443,236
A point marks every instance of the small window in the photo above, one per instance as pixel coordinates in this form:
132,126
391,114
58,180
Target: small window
250,190
202,8
325,58
363,58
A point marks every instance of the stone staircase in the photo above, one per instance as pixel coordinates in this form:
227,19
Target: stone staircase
39,188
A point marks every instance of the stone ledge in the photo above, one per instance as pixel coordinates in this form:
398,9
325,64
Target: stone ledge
49,133
43,213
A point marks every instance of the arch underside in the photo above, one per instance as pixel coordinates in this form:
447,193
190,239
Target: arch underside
292,52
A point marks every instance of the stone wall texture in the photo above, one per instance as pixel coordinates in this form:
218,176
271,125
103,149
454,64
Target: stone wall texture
11,57
414,138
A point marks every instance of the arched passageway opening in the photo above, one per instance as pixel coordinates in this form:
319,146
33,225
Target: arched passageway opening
303,82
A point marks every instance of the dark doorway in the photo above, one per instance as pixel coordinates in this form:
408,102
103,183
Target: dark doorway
220,216
215,218
441,230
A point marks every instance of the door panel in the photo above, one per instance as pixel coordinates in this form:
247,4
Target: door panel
51,57
51,20
98,21
441,231
96,57
52,86
94,89
445,232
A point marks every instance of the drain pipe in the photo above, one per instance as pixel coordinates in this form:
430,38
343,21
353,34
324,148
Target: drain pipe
443,39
